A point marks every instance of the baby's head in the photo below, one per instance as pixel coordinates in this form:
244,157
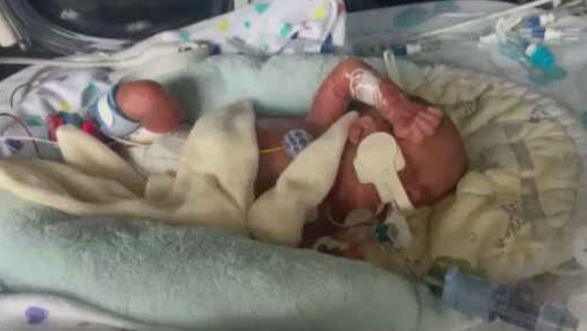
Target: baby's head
433,166
432,169
149,103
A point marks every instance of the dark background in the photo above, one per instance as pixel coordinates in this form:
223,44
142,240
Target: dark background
357,5
107,18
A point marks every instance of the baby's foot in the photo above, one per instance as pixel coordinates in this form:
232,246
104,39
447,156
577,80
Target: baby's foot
417,125
361,128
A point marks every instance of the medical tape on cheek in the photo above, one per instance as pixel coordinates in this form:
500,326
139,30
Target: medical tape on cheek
364,86
399,192
378,161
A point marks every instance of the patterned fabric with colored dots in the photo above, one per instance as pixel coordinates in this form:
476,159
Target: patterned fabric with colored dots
278,26
43,312
54,92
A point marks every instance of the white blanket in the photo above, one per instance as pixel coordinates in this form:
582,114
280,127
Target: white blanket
214,185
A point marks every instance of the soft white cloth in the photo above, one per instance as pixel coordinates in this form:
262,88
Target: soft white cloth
96,181
280,213
162,156
214,184
64,90
53,90
270,27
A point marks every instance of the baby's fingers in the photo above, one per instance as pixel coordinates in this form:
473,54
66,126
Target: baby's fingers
424,126
432,116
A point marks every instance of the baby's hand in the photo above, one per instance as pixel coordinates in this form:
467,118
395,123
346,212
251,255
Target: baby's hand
361,128
410,120
416,125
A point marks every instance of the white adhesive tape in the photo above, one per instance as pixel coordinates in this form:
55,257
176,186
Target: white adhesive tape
7,35
364,86
105,112
378,161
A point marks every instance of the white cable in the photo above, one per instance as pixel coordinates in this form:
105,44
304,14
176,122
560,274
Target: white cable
130,142
26,138
59,63
489,17
459,15
7,35
572,3
130,57
56,145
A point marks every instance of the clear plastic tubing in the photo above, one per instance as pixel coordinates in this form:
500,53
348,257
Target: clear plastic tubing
431,45
407,49
536,54
539,34
547,18
515,304
539,20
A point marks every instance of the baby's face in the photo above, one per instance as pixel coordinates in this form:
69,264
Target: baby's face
433,168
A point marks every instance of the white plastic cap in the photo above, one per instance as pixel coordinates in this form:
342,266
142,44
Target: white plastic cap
413,48
552,34
556,3
546,19
7,35
169,36
531,49
488,39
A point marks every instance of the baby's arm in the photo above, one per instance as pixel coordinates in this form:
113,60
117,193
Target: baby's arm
332,99
354,79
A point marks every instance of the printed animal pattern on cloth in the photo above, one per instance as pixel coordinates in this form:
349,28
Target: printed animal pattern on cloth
539,114
515,223
39,312
36,315
269,28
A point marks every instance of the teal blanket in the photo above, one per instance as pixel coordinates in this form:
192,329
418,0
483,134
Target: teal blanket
204,279
283,85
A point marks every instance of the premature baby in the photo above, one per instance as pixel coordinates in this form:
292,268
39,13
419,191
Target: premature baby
429,145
